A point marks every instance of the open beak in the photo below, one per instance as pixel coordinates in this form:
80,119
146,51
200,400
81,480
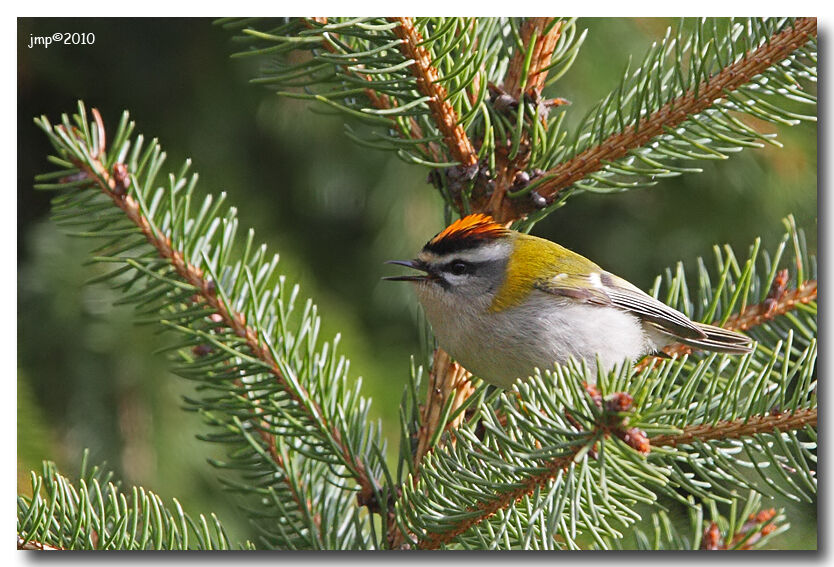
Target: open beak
414,264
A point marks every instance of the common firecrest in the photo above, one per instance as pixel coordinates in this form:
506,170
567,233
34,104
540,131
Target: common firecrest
503,303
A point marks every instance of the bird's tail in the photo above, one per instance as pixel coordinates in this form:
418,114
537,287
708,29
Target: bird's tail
719,340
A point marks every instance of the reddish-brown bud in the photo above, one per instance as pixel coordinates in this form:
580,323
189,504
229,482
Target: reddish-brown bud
122,178
620,401
594,451
712,538
777,290
593,392
637,440
80,176
201,350
764,515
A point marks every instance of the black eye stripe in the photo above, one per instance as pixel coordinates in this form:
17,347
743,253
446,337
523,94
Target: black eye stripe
459,267
444,274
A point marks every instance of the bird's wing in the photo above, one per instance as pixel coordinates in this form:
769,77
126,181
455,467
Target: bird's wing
603,288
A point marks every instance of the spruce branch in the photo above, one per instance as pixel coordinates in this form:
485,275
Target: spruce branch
728,430
501,501
97,514
412,106
686,101
771,307
382,101
94,170
281,401
699,98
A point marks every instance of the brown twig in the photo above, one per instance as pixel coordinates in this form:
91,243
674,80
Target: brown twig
723,430
486,509
35,545
736,429
618,145
507,169
382,101
427,76
771,308
113,187
272,448
542,52
447,378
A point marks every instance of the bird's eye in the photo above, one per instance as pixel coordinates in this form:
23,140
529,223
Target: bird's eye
459,267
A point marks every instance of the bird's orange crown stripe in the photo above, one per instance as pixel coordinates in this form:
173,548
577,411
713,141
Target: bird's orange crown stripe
471,226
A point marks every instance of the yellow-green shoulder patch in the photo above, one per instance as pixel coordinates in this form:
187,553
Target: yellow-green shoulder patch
527,262
536,262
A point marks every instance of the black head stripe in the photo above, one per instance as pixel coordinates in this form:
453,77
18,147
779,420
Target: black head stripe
450,245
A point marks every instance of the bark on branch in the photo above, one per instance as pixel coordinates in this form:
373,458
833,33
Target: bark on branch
427,76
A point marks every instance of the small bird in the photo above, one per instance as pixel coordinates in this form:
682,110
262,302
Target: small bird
503,303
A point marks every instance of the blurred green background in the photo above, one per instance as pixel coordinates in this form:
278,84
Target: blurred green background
334,211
